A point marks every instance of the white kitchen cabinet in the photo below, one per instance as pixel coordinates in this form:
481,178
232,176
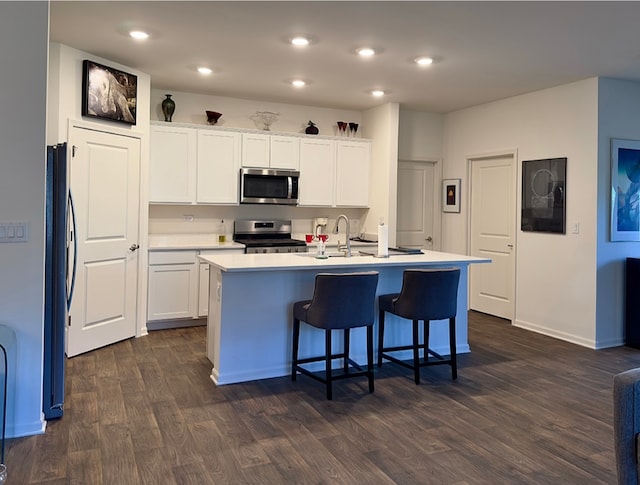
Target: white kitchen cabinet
353,160
255,150
172,167
203,276
173,285
218,162
285,152
317,172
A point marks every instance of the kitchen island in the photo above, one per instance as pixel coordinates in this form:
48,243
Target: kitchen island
251,296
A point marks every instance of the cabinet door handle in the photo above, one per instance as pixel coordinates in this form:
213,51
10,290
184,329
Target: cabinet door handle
133,247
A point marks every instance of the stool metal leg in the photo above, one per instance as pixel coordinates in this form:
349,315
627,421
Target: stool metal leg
327,367
380,336
416,352
346,350
452,346
296,341
370,356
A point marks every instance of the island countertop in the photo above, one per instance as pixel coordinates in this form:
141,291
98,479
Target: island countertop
301,261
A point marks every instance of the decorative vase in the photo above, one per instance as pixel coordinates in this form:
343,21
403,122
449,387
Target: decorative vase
311,129
168,107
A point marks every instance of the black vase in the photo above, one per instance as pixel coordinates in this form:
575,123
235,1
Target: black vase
168,107
311,129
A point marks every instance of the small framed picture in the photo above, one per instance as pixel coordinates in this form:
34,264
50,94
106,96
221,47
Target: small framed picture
625,190
108,93
451,195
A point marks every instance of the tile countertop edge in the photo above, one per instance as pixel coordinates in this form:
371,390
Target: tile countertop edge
171,242
236,263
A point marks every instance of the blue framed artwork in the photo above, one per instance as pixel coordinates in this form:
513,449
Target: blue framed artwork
625,190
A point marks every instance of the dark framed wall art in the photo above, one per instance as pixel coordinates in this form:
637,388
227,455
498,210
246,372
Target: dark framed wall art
108,93
625,190
451,195
544,195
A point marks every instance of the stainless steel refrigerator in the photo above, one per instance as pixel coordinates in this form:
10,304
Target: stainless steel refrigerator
59,278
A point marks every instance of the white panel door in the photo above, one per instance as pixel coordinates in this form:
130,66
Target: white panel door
415,212
255,150
493,236
105,184
285,152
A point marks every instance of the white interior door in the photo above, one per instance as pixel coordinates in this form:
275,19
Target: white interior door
493,235
105,183
416,196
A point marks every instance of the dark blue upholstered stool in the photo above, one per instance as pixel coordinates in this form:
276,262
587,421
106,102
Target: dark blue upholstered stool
426,294
340,301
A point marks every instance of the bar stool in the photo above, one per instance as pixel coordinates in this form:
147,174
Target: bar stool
426,294
340,301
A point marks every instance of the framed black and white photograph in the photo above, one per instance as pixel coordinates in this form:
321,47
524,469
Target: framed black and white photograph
544,184
451,195
108,93
625,190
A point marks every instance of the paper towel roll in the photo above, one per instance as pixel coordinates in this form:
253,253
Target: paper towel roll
383,240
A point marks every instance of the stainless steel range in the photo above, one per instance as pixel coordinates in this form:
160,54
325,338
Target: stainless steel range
272,236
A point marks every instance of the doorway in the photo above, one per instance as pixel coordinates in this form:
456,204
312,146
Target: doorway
105,185
418,194
492,233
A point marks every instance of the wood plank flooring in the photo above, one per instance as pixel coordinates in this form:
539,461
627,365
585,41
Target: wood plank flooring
526,409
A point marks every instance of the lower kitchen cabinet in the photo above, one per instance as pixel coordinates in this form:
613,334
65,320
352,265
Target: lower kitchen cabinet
173,285
179,284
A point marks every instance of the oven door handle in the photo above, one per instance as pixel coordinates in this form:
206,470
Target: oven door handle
289,187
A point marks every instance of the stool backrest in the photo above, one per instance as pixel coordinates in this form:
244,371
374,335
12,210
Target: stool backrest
343,300
428,294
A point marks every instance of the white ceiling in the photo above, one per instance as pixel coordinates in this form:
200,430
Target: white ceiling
486,50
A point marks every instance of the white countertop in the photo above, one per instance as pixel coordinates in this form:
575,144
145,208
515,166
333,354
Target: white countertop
161,242
299,261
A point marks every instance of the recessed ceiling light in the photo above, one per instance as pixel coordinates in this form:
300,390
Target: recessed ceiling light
204,70
300,41
298,83
366,52
377,93
138,34
423,61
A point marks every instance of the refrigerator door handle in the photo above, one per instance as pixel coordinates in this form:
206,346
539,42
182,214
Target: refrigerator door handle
72,212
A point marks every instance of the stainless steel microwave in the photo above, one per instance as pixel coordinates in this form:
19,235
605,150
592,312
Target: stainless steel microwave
269,186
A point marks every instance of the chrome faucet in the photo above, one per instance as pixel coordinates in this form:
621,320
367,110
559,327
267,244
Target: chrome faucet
347,247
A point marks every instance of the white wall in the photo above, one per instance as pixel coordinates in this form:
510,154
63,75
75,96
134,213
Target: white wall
237,113
381,125
23,77
556,274
420,136
618,108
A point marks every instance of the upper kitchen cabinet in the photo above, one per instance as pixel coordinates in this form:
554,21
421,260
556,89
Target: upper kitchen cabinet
317,172
255,150
218,161
353,160
285,152
270,151
172,171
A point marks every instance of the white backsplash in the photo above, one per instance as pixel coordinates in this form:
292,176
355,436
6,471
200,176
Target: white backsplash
203,219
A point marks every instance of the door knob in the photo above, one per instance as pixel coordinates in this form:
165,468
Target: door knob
133,247
429,239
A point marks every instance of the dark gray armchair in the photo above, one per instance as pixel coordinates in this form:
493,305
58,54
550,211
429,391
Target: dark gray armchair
626,425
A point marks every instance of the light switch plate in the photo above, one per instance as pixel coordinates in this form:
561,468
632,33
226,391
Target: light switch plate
13,232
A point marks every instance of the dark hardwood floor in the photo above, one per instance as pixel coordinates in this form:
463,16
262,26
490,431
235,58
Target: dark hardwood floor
526,409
